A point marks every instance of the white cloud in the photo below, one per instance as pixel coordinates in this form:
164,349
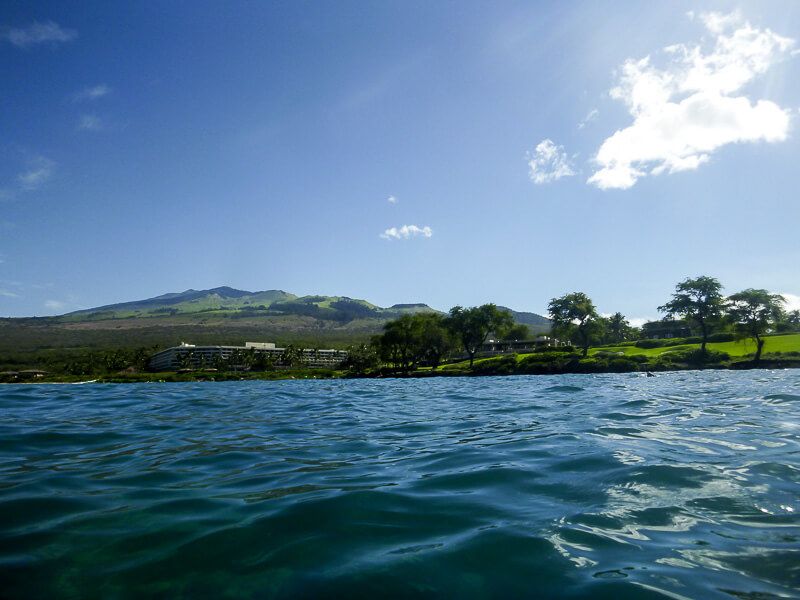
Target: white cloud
92,93
7,294
632,321
40,33
54,304
406,231
684,112
548,162
392,200
590,116
39,171
91,123
639,321
792,301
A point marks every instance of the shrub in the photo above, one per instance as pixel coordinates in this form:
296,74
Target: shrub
502,365
721,337
651,343
608,354
548,363
623,365
695,357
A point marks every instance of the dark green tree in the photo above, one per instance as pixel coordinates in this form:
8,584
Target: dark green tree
753,313
238,360
263,361
435,339
140,359
292,356
471,326
186,359
517,333
219,363
700,302
116,360
575,317
400,343
361,359
790,321
618,329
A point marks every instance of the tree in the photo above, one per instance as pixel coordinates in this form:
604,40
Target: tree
292,356
219,363
435,340
754,312
360,359
790,321
618,329
186,360
413,339
699,301
399,344
471,326
263,361
574,316
517,333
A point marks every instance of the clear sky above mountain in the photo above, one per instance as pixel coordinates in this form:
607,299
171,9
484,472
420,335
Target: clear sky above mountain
438,152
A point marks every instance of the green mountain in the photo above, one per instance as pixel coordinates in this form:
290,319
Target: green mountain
219,315
536,323
233,303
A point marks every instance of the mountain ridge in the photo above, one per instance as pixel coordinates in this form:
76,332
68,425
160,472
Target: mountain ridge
226,298
221,315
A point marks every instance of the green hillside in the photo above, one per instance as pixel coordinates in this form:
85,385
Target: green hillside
219,315
230,301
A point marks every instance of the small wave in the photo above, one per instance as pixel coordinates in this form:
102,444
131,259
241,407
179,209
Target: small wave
577,486
571,389
782,398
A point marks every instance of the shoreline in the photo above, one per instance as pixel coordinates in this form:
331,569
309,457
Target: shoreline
171,377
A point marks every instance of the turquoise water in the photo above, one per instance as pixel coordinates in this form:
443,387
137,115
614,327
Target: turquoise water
575,486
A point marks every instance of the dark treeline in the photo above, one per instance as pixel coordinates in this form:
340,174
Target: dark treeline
425,339
697,308
697,303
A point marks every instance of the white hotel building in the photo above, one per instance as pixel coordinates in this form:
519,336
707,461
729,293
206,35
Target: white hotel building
174,358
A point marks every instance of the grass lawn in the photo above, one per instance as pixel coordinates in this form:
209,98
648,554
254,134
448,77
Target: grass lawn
777,343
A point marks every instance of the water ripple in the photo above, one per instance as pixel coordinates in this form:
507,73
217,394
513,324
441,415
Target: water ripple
575,486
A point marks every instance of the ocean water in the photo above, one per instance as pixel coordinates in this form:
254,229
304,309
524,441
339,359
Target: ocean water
685,485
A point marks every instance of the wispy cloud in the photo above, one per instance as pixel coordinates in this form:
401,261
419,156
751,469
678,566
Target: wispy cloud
38,173
91,122
91,93
8,294
54,304
548,162
392,200
590,116
406,232
40,33
682,113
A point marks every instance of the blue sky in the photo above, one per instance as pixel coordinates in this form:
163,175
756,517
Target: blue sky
447,152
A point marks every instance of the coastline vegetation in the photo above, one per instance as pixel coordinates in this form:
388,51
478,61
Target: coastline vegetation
747,329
